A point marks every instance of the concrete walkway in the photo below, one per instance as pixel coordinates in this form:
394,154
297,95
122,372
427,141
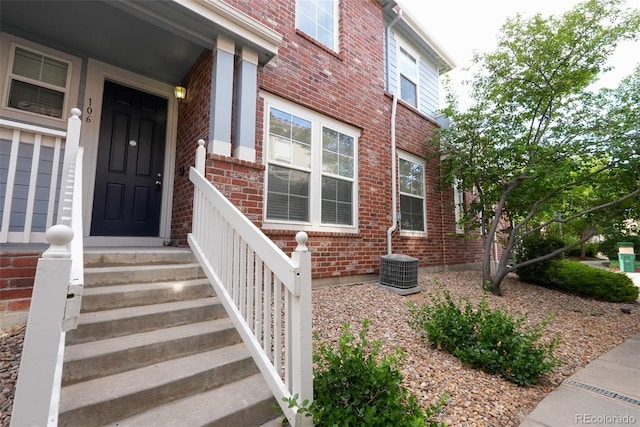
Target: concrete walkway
606,392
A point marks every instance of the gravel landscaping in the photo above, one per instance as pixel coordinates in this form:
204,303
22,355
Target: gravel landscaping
586,327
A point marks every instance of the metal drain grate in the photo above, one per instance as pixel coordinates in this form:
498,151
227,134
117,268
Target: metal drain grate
604,392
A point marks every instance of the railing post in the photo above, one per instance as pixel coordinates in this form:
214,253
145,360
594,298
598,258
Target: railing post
201,154
301,341
37,394
71,145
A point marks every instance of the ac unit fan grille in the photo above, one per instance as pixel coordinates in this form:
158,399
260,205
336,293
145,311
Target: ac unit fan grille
399,271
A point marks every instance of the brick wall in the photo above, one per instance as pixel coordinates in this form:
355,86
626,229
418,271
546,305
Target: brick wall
17,272
193,124
348,86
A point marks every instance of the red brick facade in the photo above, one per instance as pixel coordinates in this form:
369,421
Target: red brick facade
17,272
348,86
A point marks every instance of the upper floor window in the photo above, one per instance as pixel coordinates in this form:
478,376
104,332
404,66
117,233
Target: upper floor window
408,69
319,19
41,83
311,170
412,189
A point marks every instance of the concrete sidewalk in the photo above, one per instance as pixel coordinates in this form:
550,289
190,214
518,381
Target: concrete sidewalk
606,392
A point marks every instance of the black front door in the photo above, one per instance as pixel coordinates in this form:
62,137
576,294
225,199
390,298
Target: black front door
128,192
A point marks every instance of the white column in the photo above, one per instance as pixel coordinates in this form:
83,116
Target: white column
221,97
246,94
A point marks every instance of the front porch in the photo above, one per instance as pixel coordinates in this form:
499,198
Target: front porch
149,47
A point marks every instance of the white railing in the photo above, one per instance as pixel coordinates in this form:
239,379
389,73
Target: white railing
31,184
55,302
266,293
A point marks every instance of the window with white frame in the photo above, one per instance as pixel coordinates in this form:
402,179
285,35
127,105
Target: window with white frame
408,75
319,19
40,84
311,169
412,190
458,202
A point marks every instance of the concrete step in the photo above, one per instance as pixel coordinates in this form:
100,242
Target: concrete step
106,324
105,400
117,275
121,296
97,359
109,257
247,402
154,346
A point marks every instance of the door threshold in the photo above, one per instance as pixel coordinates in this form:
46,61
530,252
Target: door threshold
124,241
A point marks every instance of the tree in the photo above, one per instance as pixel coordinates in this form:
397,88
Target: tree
536,136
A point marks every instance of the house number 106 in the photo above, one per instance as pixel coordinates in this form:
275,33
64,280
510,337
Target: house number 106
89,112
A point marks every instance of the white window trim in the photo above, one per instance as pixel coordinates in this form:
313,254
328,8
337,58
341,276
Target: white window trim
402,44
318,121
458,205
8,43
414,159
336,29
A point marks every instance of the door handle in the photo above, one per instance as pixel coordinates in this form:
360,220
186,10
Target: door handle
158,185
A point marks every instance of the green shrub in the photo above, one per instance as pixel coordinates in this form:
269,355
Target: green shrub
354,385
594,282
609,246
591,250
491,340
533,246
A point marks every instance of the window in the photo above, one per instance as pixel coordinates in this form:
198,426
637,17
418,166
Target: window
38,83
311,169
408,69
41,83
337,177
319,19
458,201
412,201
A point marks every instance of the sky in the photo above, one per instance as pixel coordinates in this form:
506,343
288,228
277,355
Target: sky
464,26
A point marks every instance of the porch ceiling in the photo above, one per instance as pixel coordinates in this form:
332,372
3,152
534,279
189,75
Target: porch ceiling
158,39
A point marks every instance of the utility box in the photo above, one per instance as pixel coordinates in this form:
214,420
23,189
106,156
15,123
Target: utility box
399,273
626,257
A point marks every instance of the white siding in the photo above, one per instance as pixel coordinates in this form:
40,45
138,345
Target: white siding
428,85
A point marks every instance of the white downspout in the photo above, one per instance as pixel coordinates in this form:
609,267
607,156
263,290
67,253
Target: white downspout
394,107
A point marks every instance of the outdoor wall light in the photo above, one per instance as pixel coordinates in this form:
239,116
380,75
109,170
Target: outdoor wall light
180,92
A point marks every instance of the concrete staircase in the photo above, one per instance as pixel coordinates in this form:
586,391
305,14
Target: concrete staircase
154,347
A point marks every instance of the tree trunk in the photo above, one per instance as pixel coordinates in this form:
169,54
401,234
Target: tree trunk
501,273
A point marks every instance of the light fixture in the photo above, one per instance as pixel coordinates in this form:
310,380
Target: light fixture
180,92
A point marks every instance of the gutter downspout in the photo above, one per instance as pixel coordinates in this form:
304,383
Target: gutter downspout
394,108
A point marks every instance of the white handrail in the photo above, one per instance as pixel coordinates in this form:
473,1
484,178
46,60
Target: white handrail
55,303
266,294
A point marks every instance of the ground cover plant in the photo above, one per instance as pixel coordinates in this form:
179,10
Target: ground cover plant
354,384
491,340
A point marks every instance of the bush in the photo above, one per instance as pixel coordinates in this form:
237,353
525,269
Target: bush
491,340
609,246
593,282
533,246
355,385
591,250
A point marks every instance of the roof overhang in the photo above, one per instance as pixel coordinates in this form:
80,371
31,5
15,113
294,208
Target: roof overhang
161,39
411,29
